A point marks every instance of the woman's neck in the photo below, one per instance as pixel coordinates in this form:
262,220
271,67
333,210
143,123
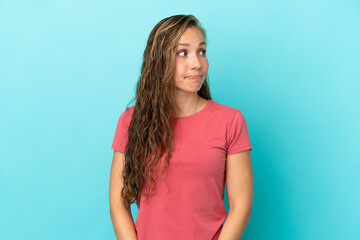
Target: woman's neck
190,104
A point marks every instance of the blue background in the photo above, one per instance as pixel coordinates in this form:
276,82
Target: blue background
69,68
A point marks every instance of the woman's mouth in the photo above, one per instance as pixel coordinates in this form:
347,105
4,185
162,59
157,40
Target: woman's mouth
194,77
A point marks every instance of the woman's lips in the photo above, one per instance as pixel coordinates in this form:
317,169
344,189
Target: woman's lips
194,77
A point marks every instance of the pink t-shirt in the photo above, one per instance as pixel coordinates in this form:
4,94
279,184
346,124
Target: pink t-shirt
192,207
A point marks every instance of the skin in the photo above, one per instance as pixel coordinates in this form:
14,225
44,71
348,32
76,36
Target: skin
239,187
121,216
190,60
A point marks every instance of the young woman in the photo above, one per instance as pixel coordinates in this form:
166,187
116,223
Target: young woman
175,148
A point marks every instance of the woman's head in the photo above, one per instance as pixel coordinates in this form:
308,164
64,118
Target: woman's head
164,69
165,72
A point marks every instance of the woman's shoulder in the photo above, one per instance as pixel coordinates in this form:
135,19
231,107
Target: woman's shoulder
224,109
126,115
129,109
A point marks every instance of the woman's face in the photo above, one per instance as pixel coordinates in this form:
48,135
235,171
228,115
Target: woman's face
191,64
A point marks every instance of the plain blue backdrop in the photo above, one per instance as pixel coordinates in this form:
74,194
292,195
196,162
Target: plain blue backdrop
69,68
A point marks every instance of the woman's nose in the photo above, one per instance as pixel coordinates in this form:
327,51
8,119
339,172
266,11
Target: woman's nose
195,62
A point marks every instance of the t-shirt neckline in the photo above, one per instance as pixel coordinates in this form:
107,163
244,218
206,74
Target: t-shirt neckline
197,113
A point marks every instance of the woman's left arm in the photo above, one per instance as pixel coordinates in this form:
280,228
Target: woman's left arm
239,187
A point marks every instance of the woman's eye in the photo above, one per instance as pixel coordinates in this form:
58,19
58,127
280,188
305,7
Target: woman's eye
182,52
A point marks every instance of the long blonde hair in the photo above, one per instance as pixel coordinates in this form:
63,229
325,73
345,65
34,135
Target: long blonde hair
150,134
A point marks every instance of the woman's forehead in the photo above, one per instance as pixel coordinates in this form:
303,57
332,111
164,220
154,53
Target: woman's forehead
192,36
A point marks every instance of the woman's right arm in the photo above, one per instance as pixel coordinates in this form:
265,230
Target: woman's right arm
121,217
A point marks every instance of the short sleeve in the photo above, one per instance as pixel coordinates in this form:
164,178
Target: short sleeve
237,136
121,133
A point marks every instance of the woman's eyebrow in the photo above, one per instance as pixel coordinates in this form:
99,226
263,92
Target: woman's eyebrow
187,44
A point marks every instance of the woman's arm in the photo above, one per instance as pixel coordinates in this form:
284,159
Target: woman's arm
121,217
239,187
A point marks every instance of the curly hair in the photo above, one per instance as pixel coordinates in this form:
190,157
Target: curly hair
150,133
